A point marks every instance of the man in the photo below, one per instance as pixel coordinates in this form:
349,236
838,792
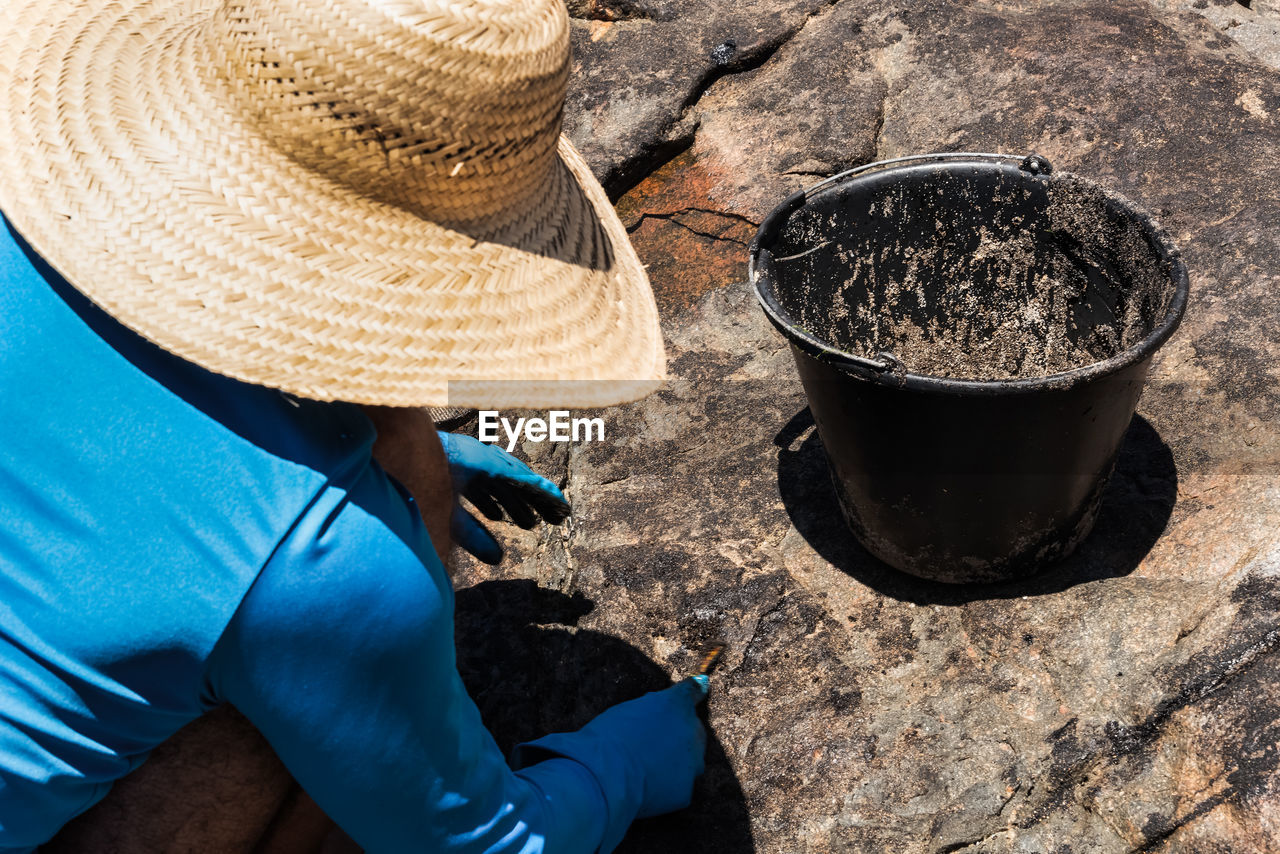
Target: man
246,240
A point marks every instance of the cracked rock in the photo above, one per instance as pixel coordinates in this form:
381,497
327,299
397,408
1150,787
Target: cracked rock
634,79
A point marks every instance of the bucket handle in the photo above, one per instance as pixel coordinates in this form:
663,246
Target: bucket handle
1036,164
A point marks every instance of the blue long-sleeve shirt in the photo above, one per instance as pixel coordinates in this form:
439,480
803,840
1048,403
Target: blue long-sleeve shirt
171,539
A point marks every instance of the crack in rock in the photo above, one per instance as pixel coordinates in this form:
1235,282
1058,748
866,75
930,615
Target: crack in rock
968,843
731,62
678,135
674,217
636,169
777,606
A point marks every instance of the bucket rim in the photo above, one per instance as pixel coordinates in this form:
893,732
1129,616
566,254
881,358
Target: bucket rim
888,371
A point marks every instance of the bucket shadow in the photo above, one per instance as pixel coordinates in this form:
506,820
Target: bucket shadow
531,675
1136,506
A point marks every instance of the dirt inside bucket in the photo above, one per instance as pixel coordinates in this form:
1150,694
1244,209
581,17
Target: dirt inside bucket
1017,296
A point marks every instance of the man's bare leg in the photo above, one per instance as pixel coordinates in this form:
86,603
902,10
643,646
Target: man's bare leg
301,827
214,786
410,451
217,785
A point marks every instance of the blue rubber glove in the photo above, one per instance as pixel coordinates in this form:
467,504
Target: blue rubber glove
494,481
645,752
662,730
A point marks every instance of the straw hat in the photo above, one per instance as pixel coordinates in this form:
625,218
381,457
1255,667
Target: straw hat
361,200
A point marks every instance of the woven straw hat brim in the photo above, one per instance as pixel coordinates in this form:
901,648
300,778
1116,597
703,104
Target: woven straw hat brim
129,167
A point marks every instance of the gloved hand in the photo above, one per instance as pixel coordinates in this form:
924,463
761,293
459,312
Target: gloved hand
647,751
662,730
644,753
494,481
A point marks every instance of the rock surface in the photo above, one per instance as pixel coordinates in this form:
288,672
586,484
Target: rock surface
1125,700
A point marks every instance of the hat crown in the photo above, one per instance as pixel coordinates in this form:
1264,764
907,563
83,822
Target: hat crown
449,109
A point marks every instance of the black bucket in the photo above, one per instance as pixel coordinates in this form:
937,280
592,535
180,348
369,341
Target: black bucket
973,333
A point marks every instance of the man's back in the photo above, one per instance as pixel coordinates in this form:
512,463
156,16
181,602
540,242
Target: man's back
140,496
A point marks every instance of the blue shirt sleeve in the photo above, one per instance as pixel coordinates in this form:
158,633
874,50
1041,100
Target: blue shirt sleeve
342,655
